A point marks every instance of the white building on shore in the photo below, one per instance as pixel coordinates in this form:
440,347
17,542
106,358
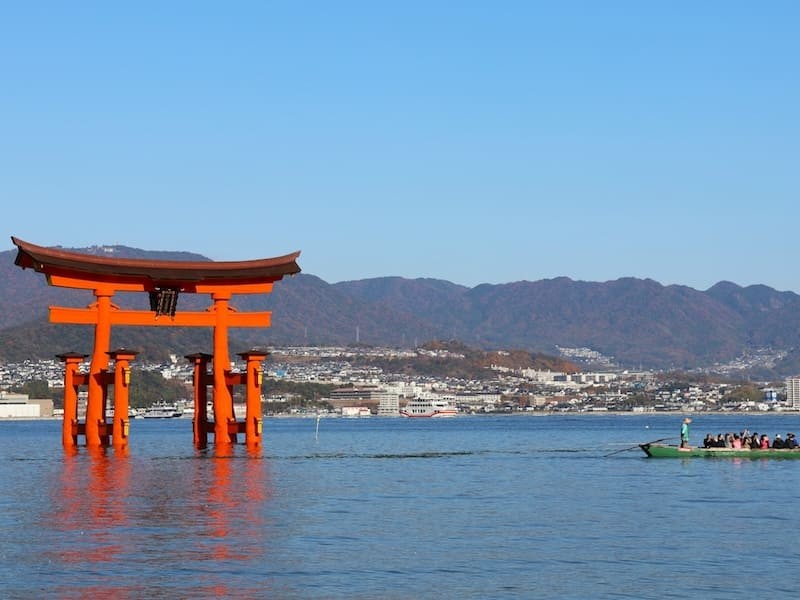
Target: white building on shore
388,404
19,406
793,392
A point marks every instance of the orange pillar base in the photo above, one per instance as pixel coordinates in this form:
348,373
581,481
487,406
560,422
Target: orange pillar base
69,426
253,377
122,380
200,425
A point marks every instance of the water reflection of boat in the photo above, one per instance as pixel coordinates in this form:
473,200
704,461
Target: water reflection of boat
162,410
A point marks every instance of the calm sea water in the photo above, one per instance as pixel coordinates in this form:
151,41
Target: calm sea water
471,507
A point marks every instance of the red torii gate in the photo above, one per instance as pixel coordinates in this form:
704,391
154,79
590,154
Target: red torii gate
164,280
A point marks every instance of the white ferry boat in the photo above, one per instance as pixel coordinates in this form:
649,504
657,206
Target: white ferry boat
427,407
162,410
133,413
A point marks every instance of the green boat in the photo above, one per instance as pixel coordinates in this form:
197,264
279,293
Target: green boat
664,451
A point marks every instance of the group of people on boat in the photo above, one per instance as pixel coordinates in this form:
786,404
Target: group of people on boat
747,440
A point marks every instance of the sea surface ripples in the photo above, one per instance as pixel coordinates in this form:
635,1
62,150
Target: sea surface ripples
472,507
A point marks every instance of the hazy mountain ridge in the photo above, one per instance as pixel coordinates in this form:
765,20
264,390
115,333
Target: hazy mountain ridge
637,321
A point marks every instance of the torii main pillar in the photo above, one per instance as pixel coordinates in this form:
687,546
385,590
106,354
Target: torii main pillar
163,280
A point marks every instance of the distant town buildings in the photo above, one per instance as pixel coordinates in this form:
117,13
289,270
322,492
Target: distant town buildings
793,392
360,387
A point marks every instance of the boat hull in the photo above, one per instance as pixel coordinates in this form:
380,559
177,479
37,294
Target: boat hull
433,415
664,451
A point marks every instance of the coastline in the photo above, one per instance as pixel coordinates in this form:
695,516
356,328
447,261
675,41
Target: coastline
535,414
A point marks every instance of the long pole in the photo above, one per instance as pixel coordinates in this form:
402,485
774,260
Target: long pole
637,446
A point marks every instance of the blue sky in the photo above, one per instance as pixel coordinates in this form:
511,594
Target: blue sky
477,142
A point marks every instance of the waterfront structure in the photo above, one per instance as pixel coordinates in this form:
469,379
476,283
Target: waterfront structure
15,406
366,396
475,401
558,377
356,411
163,281
793,392
388,404
355,394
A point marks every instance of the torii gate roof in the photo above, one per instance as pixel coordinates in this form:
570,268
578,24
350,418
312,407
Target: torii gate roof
49,260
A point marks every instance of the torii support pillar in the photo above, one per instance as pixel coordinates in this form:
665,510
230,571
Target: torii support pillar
252,380
224,420
201,380
122,380
72,380
96,427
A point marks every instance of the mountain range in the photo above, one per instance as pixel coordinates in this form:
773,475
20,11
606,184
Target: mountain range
636,323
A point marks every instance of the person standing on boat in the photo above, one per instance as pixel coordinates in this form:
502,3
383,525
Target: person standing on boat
685,432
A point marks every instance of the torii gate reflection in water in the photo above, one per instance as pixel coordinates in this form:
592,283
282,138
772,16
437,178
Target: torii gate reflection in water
164,280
